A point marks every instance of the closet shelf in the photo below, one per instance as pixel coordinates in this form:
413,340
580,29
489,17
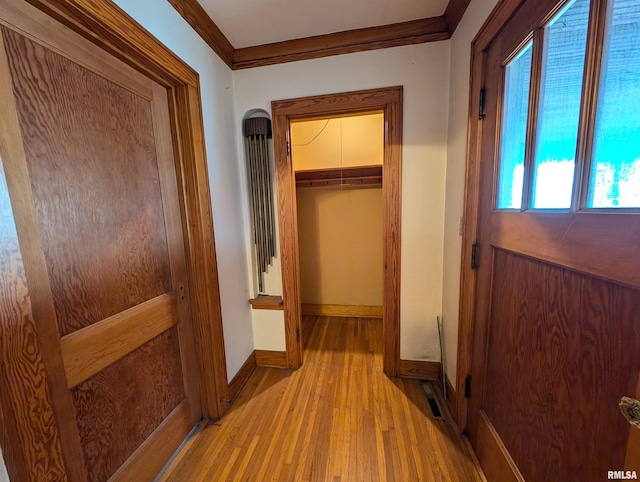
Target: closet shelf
361,175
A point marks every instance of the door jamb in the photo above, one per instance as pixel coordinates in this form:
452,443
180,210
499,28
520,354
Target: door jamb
106,25
500,15
388,100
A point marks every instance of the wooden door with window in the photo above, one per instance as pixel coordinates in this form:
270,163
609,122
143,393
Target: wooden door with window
556,341
92,253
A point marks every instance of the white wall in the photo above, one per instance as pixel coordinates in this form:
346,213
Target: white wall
216,82
4,476
459,73
436,79
423,71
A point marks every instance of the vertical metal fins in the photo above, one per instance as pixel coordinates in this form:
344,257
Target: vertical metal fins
257,134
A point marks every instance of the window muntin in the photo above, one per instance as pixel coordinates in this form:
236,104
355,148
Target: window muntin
565,41
548,155
514,129
615,166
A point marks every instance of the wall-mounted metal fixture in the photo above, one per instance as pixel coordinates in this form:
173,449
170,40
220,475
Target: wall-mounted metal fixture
257,132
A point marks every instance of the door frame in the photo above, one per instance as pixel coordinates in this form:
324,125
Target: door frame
106,25
500,15
389,101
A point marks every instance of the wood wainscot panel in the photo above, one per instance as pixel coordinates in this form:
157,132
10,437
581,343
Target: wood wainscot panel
565,322
268,358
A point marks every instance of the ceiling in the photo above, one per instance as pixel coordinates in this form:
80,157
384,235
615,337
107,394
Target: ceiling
255,22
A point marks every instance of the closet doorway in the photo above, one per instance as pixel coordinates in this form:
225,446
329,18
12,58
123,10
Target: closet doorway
386,102
338,171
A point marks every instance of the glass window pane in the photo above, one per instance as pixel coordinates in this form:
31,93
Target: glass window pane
559,114
514,129
615,172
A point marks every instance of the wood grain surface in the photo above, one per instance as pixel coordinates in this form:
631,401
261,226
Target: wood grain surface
564,348
337,418
392,229
119,407
342,310
454,13
339,176
468,324
197,17
151,457
420,370
270,358
242,376
108,26
575,240
497,462
358,40
101,230
202,266
30,445
176,242
265,302
32,23
87,351
44,345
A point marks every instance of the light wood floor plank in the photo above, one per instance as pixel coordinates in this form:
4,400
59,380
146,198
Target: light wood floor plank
338,418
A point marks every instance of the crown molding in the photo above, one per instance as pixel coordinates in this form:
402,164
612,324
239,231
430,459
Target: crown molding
430,29
454,13
372,38
201,22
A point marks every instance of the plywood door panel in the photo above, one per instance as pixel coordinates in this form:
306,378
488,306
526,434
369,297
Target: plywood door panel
119,407
86,203
104,229
564,348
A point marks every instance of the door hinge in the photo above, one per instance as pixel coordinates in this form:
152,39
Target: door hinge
483,95
297,334
474,256
467,387
288,148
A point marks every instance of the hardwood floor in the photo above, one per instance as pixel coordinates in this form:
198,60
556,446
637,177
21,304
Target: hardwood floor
338,418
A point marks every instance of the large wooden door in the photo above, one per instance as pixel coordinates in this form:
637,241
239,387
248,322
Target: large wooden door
93,243
556,340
